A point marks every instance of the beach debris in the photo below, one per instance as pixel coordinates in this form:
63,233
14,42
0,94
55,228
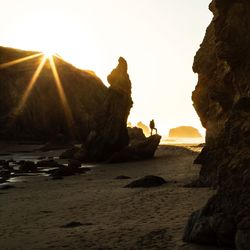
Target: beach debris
122,177
147,181
72,224
75,224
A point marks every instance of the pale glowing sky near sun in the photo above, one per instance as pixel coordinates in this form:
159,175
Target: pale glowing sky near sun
158,38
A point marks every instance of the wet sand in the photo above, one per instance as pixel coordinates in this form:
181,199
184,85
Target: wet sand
109,216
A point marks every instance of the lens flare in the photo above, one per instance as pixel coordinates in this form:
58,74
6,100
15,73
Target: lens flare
17,61
62,95
46,56
30,86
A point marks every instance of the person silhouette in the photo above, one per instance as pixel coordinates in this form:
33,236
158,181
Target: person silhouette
152,127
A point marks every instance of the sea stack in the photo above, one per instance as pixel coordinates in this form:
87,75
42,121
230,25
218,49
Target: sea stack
184,132
111,134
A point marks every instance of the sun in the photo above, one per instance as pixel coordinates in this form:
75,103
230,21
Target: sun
48,54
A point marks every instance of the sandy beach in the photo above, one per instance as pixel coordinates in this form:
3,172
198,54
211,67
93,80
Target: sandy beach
95,211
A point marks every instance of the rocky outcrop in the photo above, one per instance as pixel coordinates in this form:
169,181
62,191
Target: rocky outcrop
135,134
140,150
222,101
184,132
63,102
111,134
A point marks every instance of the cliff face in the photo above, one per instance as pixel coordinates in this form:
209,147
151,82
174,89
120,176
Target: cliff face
222,64
63,100
222,100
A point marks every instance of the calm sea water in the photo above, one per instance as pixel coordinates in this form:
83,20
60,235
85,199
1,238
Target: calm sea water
170,141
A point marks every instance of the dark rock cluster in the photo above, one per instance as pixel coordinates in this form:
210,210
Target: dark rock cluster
222,100
9,169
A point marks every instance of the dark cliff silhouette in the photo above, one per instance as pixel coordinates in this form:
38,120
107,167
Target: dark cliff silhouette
42,116
45,98
222,100
111,133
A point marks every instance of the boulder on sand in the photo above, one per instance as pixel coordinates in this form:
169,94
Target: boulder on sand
147,182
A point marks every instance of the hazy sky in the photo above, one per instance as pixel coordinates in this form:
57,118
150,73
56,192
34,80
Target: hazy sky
158,38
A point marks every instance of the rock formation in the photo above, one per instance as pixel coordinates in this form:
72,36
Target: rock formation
147,182
184,132
111,134
144,127
64,102
222,101
135,134
137,151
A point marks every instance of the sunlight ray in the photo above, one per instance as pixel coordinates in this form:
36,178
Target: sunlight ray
62,95
20,60
30,86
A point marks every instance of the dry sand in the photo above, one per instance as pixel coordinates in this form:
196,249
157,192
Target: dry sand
112,217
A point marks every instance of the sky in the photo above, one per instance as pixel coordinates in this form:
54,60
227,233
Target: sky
158,38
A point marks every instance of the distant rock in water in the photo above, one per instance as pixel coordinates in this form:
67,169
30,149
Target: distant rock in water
144,127
184,132
40,103
129,125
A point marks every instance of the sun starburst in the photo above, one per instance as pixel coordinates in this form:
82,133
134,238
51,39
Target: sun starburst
30,86
48,56
61,93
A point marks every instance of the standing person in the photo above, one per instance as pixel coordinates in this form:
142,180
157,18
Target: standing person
152,126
